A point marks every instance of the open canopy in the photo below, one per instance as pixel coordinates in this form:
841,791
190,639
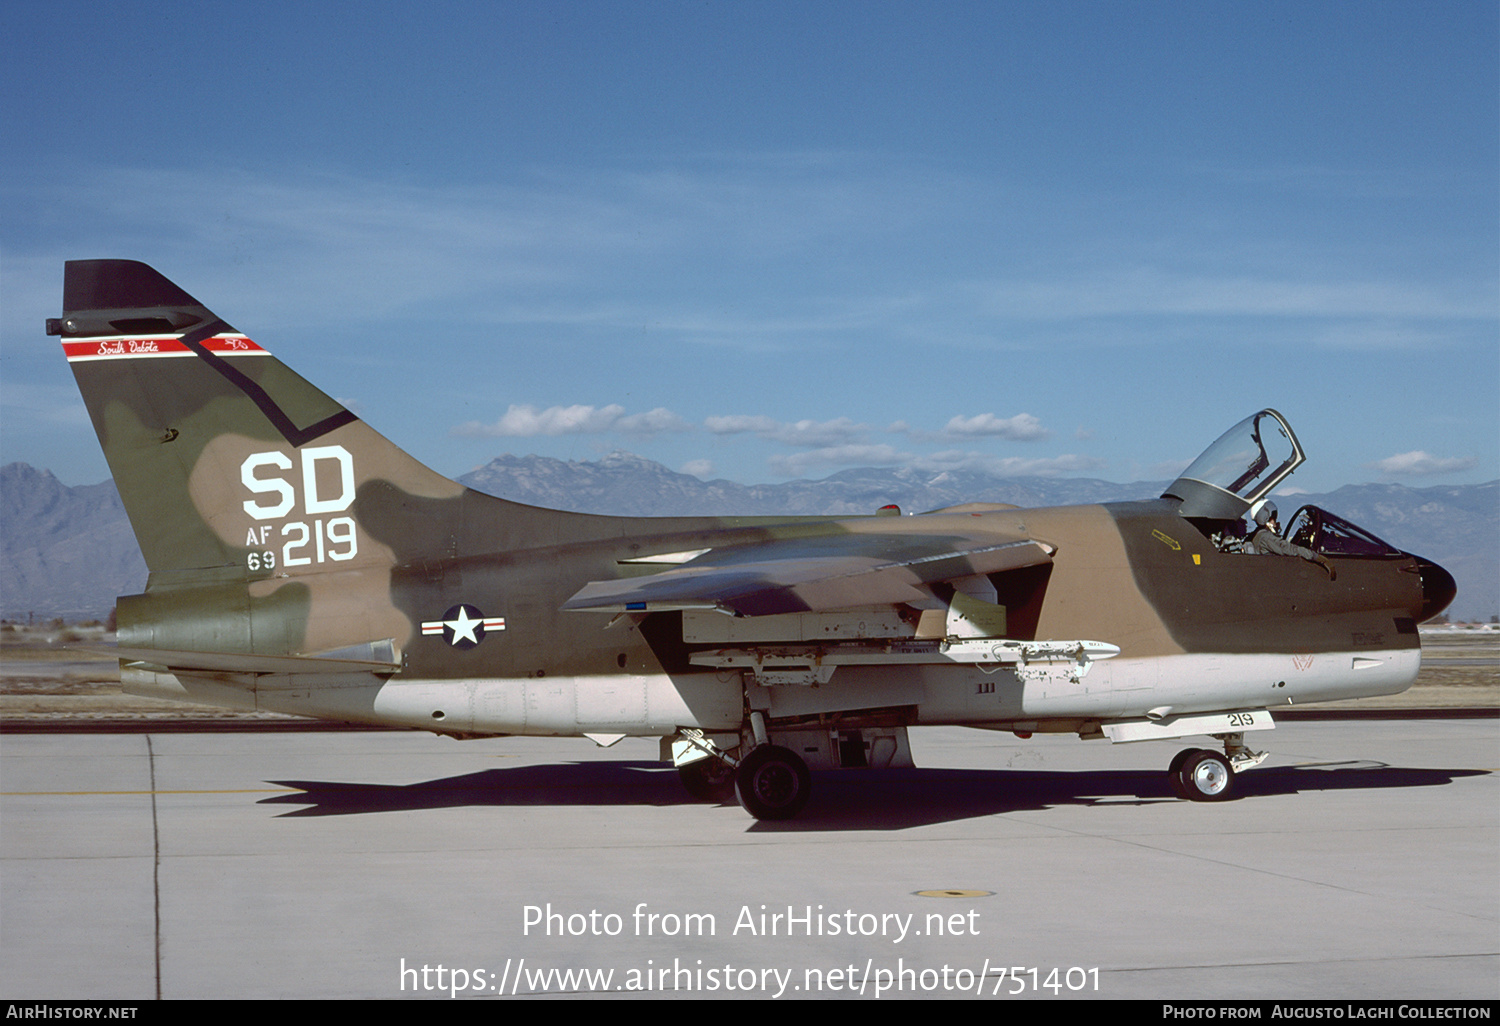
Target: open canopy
1238,470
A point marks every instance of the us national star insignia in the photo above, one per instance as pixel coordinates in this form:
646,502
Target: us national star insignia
463,626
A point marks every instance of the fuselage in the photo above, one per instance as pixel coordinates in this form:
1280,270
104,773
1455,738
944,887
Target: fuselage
1197,630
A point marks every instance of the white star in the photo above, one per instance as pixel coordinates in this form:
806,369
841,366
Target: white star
463,627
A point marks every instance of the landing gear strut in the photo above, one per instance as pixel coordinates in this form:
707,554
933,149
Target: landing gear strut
772,783
708,780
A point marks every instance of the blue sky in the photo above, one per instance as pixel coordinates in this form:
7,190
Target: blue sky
760,240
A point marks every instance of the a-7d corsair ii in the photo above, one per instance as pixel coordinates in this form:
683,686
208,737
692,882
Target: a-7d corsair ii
302,563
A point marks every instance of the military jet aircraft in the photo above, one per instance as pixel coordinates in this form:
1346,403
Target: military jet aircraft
299,562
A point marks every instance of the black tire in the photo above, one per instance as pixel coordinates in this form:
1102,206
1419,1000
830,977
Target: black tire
1174,772
1207,777
773,783
708,780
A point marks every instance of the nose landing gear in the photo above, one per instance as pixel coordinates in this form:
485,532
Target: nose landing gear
1201,775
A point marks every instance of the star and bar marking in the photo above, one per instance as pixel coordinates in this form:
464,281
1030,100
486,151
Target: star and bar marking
463,626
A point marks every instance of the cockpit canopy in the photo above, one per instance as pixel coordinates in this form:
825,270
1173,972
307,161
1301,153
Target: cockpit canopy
1330,535
1238,470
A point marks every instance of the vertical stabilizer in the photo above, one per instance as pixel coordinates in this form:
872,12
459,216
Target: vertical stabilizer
229,464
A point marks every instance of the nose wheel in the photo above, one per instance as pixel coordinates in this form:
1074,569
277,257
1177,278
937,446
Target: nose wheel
1200,775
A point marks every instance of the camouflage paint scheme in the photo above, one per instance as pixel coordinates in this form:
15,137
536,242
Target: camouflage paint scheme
300,562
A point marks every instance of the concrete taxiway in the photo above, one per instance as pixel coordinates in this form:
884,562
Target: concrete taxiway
1362,860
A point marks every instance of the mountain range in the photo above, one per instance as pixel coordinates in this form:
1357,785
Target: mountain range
68,551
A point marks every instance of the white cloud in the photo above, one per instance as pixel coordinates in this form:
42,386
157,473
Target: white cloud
653,422
1023,427
740,424
839,431
1421,464
703,469
527,421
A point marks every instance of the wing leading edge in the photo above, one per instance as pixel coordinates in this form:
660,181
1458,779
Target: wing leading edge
813,574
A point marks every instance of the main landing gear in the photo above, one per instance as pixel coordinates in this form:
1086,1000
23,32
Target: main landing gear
772,782
1201,775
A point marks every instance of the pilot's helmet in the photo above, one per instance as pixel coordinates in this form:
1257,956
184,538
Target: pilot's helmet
1264,512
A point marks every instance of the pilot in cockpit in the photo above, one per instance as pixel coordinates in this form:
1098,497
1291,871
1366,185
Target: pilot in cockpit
1267,540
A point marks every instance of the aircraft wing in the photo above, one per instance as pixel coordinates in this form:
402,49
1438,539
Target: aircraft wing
843,571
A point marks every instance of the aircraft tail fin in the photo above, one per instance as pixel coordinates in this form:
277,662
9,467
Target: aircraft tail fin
230,465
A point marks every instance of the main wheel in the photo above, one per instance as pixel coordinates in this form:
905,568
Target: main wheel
708,780
1207,776
772,783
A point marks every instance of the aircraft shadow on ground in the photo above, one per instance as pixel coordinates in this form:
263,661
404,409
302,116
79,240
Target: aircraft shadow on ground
852,800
